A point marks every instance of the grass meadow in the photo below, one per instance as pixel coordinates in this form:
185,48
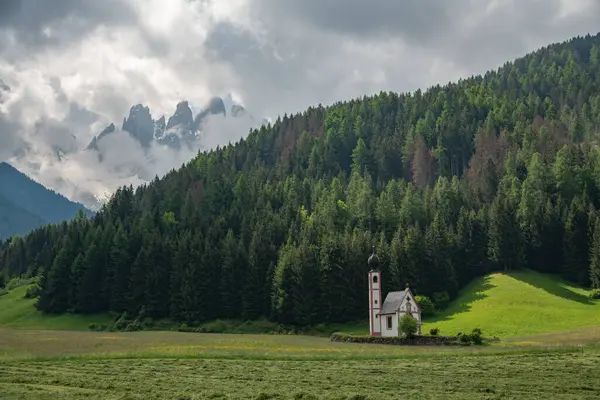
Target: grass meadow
518,304
175,365
550,348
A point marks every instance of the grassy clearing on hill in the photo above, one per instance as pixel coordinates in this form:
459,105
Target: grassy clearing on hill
18,312
517,304
158,365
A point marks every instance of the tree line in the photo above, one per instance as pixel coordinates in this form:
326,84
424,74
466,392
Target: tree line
491,173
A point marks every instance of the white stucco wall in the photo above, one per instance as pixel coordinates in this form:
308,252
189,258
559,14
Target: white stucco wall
384,327
374,301
414,308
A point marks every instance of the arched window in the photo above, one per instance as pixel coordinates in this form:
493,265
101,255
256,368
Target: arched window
408,306
374,278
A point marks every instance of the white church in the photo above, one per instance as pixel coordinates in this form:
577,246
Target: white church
385,318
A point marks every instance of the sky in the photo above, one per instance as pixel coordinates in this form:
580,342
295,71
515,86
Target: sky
74,66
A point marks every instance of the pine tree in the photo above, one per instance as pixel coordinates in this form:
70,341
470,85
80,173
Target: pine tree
284,283
231,276
91,299
576,244
595,255
119,277
55,291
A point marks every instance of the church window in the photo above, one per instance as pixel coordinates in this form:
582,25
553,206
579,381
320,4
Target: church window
389,322
408,306
375,301
374,278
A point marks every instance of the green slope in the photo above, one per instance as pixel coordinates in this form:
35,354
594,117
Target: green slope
18,312
518,304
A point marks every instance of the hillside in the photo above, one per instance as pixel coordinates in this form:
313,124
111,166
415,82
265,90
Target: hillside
493,173
16,221
26,205
19,312
518,304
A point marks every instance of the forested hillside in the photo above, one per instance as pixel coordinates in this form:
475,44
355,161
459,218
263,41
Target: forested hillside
494,172
26,205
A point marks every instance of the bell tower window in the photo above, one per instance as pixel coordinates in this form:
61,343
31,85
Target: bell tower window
374,278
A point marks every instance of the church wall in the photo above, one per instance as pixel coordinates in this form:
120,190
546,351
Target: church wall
374,302
384,325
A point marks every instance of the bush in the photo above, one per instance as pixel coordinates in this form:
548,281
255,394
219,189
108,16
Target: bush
121,323
595,294
408,326
2,281
434,331
441,300
475,337
97,328
427,306
33,292
133,326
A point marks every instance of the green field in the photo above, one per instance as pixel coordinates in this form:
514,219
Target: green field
518,304
165,365
18,312
550,348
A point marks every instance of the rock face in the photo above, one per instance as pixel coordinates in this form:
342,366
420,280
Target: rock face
94,143
140,124
181,129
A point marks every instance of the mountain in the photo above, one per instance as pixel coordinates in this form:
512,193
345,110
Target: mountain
181,129
26,205
492,173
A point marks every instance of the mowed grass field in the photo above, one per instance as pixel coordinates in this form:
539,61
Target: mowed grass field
550,348
173,365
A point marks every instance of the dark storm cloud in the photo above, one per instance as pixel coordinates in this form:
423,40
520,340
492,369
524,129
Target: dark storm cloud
57,22
418,21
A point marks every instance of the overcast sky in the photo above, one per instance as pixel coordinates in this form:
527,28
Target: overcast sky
76,65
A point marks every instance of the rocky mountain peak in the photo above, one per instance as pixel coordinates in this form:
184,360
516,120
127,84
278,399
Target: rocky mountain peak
140,124
183,116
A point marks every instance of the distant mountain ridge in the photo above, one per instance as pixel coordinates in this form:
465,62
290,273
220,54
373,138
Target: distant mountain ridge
26,204
181,129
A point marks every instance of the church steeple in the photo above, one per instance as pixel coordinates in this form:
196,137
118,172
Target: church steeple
374,294
373,261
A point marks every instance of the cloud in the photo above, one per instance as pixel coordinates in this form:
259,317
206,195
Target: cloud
74,66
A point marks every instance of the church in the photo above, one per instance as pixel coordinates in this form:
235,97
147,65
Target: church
384,318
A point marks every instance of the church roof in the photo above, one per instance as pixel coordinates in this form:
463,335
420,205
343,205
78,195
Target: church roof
392,302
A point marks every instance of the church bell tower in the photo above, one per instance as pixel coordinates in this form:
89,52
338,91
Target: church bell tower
374,294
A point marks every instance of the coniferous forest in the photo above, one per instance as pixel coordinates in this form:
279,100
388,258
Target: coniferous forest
491,173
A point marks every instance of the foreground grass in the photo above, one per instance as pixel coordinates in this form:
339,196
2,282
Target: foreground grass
556,376
174,365
518,304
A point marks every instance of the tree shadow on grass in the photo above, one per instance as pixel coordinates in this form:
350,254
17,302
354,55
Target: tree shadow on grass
551,285
473,292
